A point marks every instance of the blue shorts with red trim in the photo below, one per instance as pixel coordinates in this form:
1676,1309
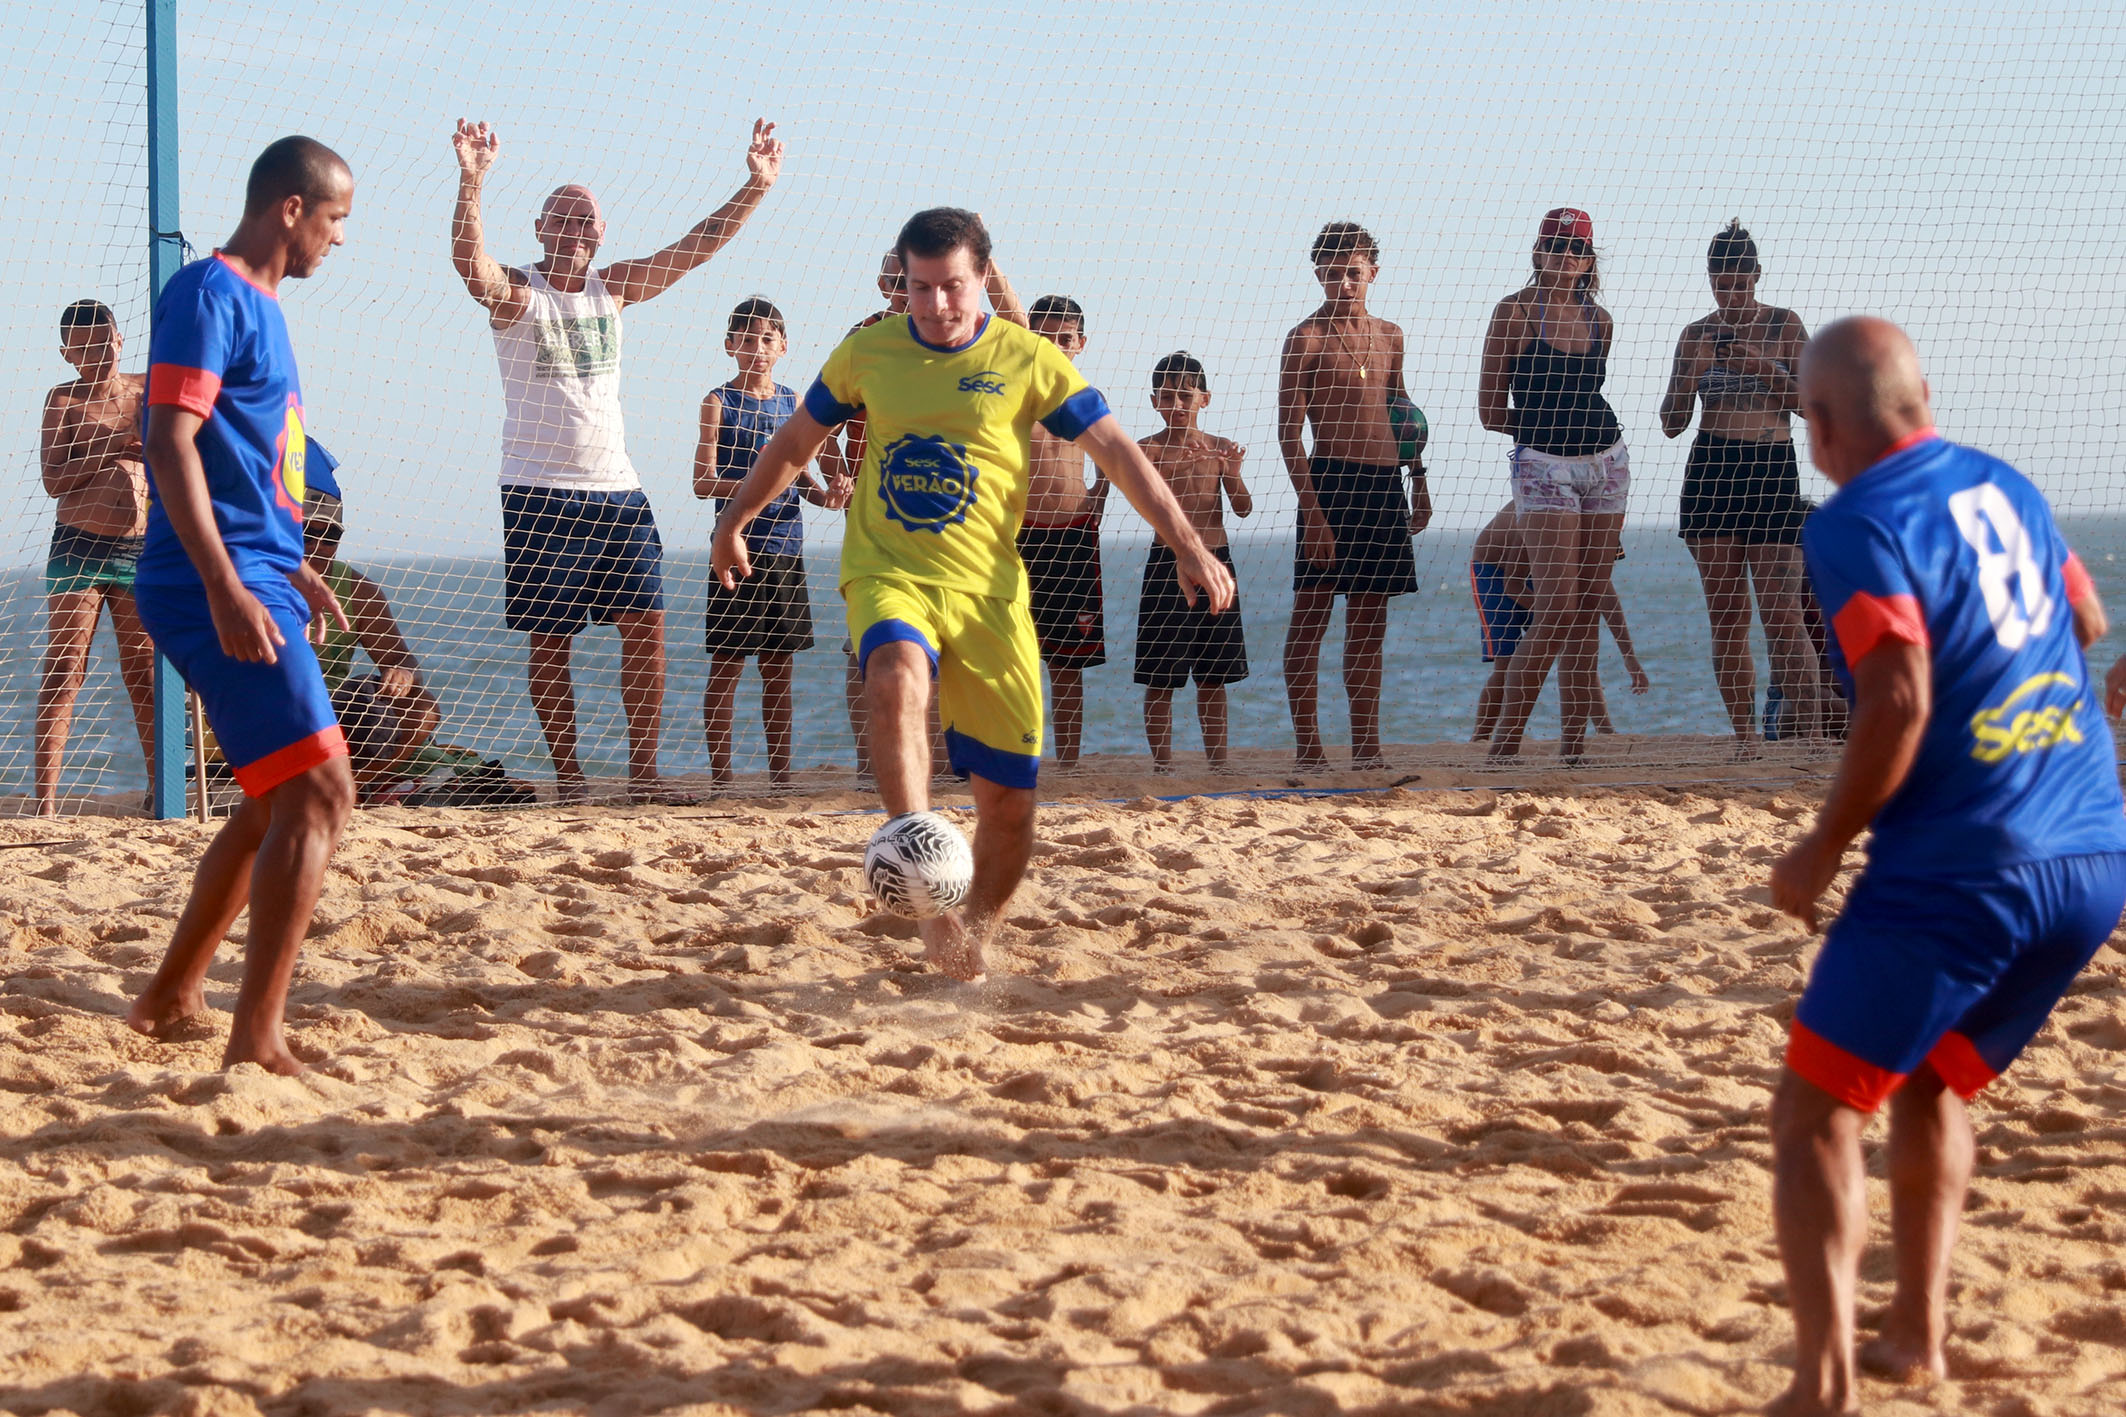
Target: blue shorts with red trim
273,721
1959,973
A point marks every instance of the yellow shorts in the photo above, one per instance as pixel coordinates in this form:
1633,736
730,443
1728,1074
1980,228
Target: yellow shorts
987,663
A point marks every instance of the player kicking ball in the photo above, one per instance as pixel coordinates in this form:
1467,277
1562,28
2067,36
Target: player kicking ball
930,565
1997,867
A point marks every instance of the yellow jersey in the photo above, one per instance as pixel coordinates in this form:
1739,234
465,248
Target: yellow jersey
947,439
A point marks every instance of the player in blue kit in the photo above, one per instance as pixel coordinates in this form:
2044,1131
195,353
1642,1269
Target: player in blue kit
1997,867
224,592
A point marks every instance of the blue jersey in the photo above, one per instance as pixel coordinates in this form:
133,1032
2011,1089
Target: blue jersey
220,350
1942,546
748,423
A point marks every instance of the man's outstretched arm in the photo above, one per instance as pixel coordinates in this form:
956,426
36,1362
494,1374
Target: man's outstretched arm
650,276
477,147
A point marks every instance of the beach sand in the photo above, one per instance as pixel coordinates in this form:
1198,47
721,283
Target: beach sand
1418,1102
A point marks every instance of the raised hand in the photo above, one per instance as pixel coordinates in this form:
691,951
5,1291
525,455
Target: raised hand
764,154
477,147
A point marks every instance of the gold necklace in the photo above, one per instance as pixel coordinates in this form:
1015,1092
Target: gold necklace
1337,335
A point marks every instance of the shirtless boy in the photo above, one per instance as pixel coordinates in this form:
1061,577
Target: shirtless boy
1341,368
1176,640
1060,543
90,456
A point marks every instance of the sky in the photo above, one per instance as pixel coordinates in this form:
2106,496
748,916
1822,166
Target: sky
1164,163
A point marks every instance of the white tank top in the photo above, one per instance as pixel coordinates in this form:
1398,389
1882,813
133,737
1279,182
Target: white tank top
561,421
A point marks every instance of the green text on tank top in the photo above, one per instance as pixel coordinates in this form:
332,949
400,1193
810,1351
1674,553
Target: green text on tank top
336,655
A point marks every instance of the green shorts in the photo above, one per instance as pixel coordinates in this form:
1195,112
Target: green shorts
82,560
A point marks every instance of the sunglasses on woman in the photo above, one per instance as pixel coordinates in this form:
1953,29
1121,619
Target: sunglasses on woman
1576,246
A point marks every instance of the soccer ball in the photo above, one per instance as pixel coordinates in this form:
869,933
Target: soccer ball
1407,421
918,865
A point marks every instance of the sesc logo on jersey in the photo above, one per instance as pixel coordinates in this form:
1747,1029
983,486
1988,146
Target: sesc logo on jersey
2004,729
926,483
989,381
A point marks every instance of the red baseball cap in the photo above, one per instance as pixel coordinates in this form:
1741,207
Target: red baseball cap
1567,222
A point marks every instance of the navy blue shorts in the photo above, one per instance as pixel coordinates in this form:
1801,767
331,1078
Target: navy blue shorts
273,722
571,559
1957,973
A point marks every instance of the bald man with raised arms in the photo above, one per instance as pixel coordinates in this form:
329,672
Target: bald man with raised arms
1997,864
579,544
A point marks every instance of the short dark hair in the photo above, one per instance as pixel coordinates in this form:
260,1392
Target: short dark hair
1732,249
756,307
292,167
85,315
1344,238
1057,307
1181,368
939,231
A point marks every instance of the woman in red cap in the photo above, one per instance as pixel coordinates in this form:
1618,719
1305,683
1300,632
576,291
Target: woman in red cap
1545,358
1742,509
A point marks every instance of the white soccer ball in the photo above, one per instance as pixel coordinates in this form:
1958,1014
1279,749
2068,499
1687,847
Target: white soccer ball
918,865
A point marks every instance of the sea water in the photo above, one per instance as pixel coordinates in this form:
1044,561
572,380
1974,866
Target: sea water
451,613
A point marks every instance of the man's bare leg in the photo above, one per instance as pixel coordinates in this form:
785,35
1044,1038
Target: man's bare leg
70,625
1159,727
1489,697
719,700
642,694
853,690
777,674
1211,713
1365,632
1311,606
221,887
553,696
1554,560
273,852
1066,710
1931,1154
1819,1208
136,666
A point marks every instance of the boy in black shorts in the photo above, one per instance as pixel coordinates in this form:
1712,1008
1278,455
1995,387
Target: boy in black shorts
1060,544
1340,373
1177,641
768,615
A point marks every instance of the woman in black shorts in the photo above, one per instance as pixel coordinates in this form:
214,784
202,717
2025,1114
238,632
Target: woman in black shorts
1742,508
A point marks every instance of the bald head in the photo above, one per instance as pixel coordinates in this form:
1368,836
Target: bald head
571,198
1861,391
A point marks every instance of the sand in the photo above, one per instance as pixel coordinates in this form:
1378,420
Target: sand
1411,1102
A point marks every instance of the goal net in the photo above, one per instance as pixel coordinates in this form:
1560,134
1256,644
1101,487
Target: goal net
1164,165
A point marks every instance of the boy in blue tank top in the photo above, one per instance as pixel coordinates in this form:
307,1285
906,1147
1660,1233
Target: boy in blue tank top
769,614
224,592
1997,865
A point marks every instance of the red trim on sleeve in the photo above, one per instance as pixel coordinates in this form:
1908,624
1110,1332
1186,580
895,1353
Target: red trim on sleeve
1867,620
2080,586
283,764
192,390
1855,1082
1955,1060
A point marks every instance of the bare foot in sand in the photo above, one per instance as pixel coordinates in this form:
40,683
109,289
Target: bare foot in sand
1747,750
1376,763
1316,761
951,948
1902,1359
1795,1403
270,1053
162,1016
